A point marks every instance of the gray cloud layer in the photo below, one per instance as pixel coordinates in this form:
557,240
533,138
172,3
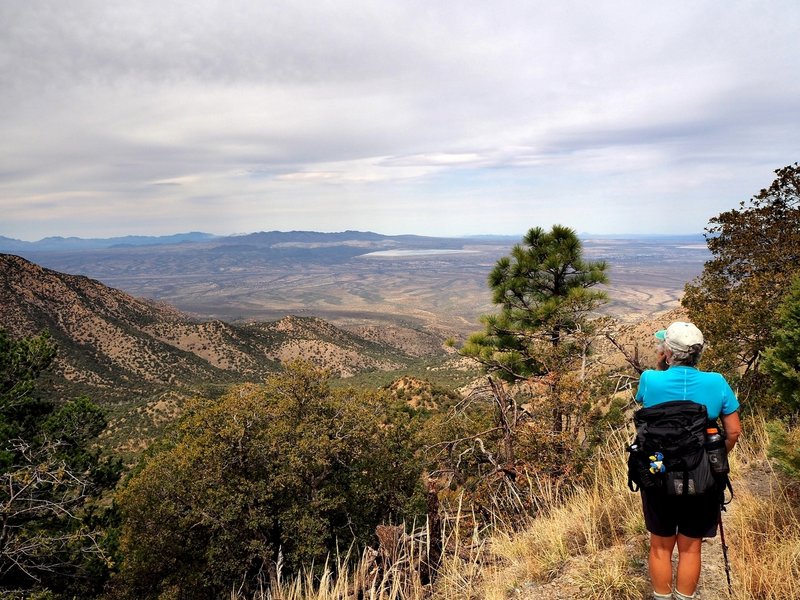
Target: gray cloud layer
440,118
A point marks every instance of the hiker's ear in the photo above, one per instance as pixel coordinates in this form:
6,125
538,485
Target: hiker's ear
667,354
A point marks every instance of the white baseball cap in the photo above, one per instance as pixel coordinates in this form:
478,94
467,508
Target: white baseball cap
681,336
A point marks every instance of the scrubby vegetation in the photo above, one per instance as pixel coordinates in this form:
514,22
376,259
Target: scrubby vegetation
589,543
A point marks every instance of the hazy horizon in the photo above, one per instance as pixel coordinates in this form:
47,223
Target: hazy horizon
582,234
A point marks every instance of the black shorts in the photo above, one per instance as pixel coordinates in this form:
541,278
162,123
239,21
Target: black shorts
692,516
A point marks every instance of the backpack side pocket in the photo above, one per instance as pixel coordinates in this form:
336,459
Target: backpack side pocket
639,473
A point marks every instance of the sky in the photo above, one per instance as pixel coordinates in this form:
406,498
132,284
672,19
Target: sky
425,117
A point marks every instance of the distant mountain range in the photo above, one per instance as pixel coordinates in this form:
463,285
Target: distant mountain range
114,346
58,243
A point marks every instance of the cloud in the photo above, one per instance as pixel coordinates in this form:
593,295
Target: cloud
460,116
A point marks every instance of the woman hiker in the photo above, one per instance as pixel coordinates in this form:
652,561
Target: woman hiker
683,520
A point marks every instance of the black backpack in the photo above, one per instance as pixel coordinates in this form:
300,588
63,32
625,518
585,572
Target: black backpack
669,451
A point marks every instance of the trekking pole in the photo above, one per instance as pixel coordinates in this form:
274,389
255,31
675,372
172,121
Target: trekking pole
725,552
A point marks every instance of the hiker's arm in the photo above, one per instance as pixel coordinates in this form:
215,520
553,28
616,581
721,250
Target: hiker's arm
733,429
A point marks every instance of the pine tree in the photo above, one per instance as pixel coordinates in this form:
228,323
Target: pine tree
543,328
543,290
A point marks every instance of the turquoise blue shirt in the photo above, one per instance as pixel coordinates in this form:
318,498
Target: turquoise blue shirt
687,383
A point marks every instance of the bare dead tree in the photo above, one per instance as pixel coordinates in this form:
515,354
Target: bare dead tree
507,413
631,357
429,569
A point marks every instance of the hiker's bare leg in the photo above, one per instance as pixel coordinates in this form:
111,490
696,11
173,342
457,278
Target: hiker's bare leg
689,550
660,563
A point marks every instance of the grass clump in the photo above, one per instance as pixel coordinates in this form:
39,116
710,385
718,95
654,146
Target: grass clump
611,574
765,543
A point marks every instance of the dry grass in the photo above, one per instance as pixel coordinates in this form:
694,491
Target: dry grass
752,446
765,538
400,580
